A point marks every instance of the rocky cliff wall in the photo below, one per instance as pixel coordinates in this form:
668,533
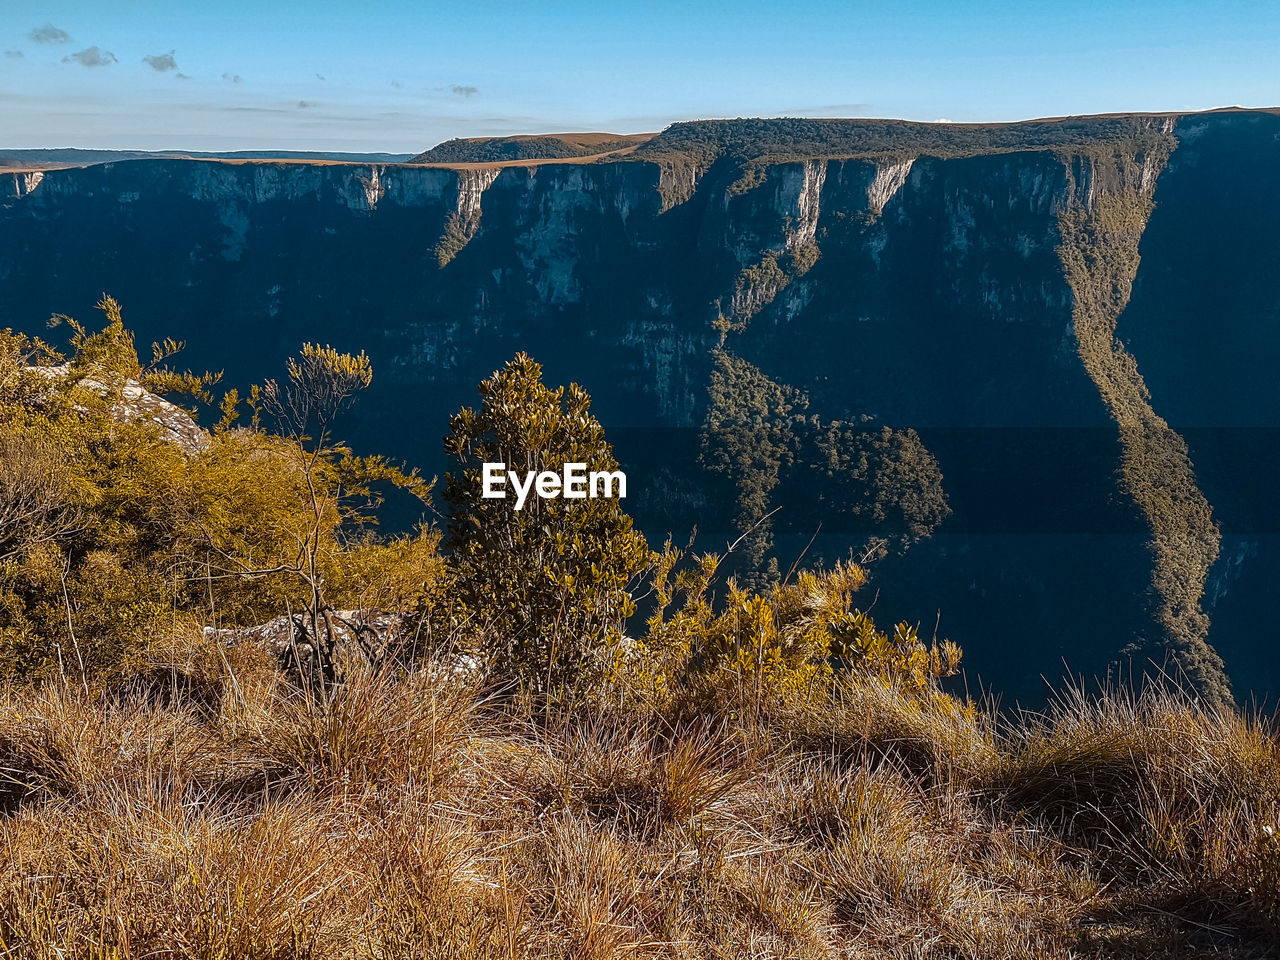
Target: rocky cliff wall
1048,320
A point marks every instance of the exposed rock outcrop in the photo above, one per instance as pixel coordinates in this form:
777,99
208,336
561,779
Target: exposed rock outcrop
361,636
465,219
888,181
358,631
137,404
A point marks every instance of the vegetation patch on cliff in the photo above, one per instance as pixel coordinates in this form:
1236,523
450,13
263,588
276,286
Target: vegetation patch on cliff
760,438
1109,202
789,138
553,146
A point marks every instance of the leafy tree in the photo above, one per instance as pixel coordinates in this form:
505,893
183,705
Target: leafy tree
759,436
547,585
334,488
750,438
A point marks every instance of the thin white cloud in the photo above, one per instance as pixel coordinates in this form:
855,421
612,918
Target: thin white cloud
93,56
49,34
161,62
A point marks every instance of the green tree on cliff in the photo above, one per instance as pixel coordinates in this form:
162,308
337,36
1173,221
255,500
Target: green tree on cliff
547,584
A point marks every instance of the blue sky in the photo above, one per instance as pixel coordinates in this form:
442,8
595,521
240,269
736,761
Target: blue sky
399,75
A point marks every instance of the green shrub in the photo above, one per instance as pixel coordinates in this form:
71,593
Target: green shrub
548,586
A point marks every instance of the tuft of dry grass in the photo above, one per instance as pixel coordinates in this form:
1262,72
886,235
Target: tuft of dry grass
642,774
57,742
937,736
409,818
374,727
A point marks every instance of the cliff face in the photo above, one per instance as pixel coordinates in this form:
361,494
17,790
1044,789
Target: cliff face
19,184
1066,328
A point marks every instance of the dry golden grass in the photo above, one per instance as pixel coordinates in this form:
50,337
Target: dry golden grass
415,818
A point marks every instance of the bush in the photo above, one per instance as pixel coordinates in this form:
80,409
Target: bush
548,586
780,645
116,529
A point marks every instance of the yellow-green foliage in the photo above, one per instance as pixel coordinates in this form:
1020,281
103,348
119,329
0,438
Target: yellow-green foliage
320,383
111,534
781,645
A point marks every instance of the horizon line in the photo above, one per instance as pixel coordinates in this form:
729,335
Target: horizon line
940,122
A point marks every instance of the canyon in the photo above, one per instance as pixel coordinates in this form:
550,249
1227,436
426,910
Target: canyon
1072,324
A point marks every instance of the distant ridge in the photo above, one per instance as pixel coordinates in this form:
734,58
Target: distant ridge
551,146
786,137
748,140
74,157
783,138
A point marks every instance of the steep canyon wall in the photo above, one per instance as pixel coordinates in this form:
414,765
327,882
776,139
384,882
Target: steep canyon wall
1081,337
